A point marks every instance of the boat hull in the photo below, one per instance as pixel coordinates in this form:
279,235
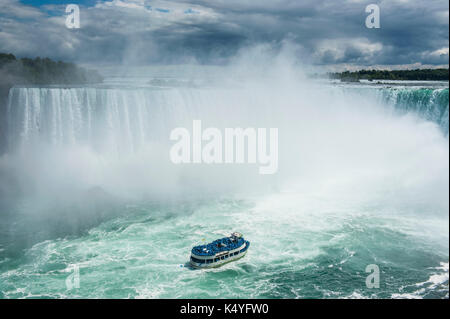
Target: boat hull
218,263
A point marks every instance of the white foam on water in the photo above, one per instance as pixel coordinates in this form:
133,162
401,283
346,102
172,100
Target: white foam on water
439,281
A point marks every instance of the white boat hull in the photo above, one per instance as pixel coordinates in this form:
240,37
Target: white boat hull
218,263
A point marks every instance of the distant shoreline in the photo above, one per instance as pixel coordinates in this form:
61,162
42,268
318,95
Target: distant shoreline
400,75
43,71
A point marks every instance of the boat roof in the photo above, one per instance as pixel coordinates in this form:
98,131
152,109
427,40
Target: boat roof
218,246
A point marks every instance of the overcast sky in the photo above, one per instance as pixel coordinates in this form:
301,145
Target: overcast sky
325,33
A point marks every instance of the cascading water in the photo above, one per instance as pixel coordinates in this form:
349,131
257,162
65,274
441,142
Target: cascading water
429,103
363,179
124,119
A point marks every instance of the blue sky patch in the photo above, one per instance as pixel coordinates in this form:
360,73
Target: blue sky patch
162,10
38,3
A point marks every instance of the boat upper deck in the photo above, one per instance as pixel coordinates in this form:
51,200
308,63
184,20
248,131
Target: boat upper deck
218,246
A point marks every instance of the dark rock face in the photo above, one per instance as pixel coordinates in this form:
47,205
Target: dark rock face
4,91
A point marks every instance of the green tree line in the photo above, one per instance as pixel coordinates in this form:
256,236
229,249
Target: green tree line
418,74
42,71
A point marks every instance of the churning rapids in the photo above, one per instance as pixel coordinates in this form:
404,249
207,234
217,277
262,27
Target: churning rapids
363,178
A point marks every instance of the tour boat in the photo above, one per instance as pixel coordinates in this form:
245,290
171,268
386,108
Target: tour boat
219,252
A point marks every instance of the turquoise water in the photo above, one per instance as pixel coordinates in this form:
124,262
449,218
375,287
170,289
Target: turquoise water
313,249
431,104
367,186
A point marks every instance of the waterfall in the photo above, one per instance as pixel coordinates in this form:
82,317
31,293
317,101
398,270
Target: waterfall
430,104
122,120
118,137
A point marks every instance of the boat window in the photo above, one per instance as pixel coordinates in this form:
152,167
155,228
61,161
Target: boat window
222,257
217,259
200,261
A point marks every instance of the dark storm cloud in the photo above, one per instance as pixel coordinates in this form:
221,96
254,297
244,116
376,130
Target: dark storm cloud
140,31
